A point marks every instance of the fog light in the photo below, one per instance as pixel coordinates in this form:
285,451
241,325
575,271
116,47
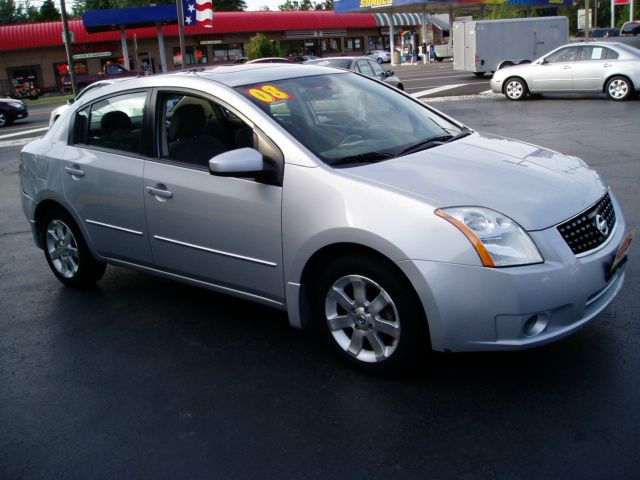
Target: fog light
535,325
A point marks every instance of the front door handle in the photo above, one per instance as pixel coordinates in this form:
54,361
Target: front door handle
75,171
160,192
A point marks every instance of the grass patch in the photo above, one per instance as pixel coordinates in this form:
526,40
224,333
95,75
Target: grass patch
48,100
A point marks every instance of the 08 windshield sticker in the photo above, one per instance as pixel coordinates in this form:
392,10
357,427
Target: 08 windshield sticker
269,94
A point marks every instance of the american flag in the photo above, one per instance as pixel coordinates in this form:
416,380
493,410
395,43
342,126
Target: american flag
198,12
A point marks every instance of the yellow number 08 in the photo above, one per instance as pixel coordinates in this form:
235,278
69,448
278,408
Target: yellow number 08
269,94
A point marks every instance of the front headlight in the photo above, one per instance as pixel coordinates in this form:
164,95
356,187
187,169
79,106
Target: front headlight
499,241
16,104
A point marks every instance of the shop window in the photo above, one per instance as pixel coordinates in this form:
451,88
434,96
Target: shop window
354,44
227,52
195,56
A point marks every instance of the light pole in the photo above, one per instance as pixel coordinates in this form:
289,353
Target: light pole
67,47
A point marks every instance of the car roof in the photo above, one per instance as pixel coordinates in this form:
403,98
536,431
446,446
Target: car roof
237,75
227,75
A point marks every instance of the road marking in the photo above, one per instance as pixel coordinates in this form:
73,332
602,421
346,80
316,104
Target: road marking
23,132
16,143
437,89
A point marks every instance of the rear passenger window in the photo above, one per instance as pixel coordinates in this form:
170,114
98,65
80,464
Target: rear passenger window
114,123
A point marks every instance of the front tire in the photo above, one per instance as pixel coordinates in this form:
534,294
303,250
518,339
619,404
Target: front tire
66,251
370,314
515,89
4,120
619,88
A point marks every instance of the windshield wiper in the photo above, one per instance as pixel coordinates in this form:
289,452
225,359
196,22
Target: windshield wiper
367,157
435,141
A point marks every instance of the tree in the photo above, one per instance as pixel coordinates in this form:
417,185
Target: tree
49,12
8,12
306,5
229,5
260,47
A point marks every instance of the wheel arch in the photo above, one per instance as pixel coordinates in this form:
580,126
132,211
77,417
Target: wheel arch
329,252
46,206
613,75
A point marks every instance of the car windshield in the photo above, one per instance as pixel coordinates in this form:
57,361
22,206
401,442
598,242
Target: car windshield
347,119
332,62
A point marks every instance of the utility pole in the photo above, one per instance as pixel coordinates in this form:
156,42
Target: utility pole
587,21
183,49
67,47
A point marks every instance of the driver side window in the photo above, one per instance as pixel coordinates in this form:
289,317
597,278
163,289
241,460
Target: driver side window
195,129
568,54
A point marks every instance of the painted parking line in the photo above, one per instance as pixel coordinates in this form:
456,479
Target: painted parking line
23,132
431,91
16,143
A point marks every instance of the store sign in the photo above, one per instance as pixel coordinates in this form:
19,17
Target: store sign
582,19
81,56
211,42
621,2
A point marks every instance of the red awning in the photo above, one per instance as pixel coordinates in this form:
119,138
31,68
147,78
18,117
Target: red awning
49,34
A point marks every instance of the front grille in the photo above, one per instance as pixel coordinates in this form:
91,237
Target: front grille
591,228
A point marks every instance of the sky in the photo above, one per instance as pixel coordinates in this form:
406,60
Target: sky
256,4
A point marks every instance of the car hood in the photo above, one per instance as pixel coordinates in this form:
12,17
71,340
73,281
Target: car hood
10,100
536,187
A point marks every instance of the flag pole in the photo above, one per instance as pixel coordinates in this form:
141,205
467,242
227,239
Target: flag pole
183,49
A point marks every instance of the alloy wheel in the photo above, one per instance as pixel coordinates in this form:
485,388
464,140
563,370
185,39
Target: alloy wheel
618,89
63,249
514,90
362,318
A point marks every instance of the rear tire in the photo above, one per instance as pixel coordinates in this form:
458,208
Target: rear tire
66,251
515,89
370,314
619,88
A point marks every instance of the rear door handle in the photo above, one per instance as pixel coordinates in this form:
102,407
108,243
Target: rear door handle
566,67
75,171
160,192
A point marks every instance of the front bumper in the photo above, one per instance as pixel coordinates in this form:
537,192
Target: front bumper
472,308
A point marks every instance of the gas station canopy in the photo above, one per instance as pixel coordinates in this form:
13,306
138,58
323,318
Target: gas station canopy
439,6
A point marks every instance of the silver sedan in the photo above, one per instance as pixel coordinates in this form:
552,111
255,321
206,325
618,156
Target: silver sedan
338,199
609,67
365,65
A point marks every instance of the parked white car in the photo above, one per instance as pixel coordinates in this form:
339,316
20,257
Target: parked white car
609,67
380,56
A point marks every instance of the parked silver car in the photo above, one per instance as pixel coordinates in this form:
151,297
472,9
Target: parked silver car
379,56
364,65
609,67
339,199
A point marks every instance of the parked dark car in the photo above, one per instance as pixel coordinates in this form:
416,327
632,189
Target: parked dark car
11,110
599,33
365,65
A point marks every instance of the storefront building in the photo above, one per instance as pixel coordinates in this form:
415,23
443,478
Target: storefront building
35,52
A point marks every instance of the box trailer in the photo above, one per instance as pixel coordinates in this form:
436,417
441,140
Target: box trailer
482,46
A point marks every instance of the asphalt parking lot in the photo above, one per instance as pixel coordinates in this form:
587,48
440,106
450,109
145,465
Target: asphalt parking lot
142,377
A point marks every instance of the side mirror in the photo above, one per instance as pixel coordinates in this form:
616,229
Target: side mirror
389,73
242,162
70,101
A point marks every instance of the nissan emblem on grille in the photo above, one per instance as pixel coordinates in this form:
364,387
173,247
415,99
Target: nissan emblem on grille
601,225
591,228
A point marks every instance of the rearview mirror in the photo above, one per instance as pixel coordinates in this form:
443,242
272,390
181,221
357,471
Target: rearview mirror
242,162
